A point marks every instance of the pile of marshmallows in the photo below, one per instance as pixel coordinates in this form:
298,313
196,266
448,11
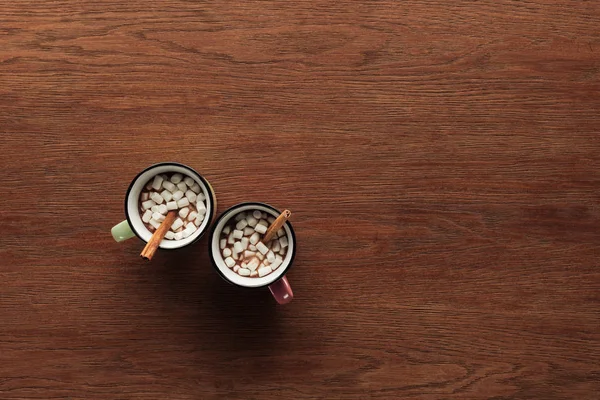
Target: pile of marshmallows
178,193
243,249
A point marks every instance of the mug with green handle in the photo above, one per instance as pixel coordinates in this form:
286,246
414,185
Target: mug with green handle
133,224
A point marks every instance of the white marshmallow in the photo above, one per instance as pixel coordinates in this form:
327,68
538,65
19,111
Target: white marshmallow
230,238
260,228
244,272
178,236
191,196
145,196
200,207
244,265
263,222
158,216
199,219
147,216
235,255
177,195
257,214
154,223
282,251
251,221
178,223
236,268
226,230
276,246
183,202
255,238
172,205
281,232
201,197
271,256
241,224
264,215
245,242
240,216
148,204
157,182
238,234
264,271
169,186
248,231
249,254
260,246
265,263
195,188
270,220
253,274
182,186
252,247
253,264
157,198
166,195
230,262
189,230
155,209
226,252
184,212
176,178
237,247
222,243
170,235
283,241
188,181
164,176
162,209
148,186
275,264
192,215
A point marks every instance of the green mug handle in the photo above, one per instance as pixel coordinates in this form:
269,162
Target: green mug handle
122,231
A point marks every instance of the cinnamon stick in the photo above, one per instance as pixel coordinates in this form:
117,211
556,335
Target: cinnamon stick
158,236
276,225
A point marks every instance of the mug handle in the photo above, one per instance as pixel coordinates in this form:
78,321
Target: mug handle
282,291
122,231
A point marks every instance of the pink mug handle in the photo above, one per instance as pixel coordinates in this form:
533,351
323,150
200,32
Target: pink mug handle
282,291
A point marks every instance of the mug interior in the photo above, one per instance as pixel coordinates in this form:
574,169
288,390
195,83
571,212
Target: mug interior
245,280
132,206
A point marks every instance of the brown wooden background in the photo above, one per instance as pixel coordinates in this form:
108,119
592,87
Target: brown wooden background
441,159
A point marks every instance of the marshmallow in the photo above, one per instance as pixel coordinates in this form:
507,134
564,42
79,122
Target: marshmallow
253,274
264,215
192,215
231,239
275,264
238,234
169,186
158,216
230,262
226,230
162,209
245,242
253,264
182,186
252,247
147,216
235,255
155,209
148,186
236,268
222,243
191,196
172,205
177,195
195,188
189,229
170,235
164,176
157,198
281,232
178,223
240,216
260,246
270,256
145,196
263,222
249,254
241,224
183,202
264,263
184,212
264,271
201,197
148,204
255,238
270,220
251,221
157,182
154,223
248,231
244,272
200,207
226,252
276,246
199,219
166,195
257,214
260,228
188,181
237,247
176,178
283,241
282,251
178,236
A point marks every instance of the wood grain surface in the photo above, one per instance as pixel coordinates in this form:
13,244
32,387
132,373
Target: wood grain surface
441,159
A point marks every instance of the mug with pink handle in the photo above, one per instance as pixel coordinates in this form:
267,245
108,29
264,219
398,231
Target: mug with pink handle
242,259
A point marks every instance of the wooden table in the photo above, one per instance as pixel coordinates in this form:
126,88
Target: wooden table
442,160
